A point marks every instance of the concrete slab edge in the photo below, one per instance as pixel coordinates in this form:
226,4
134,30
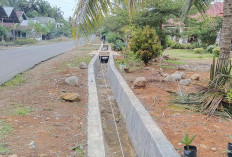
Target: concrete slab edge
147,138
96,146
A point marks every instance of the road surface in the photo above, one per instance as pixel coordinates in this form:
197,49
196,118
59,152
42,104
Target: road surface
18,60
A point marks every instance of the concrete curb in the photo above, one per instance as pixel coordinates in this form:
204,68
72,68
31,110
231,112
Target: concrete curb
147,138
96,146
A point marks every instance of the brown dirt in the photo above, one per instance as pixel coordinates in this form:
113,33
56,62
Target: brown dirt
55,126
175,121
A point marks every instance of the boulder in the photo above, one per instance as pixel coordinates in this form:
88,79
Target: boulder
83,65
73,80
177,77
185,82
182,67
140,82
73,97
182,74
169,78
195,77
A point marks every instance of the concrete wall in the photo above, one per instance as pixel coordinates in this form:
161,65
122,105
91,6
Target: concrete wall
147,138
96,146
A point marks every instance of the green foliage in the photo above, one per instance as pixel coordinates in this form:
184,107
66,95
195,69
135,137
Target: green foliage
2,31
187,141
25,41
5,129
204,29
216,51
199,50
176,45
210,48
145,44
118,45
113,37
228,95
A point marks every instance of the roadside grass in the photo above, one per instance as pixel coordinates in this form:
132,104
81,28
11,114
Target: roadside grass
88,47
5,129
15,81
18,109
187,54
77,61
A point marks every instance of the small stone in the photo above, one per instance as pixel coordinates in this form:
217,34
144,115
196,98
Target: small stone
56,136
32,144
140,82
203,146
73,80
177,77
185,82
73,97
195,77
182,74
43,155
179,144
14,155
83,65
169,78
214,149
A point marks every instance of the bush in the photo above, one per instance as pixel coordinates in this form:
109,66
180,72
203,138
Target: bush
145,44
199,50
210,48
24,41
118,45
112,37
216,51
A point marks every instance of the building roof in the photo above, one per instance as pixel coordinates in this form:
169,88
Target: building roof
44,20
215,9
8,10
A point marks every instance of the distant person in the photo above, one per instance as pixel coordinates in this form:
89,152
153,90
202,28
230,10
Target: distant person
103,39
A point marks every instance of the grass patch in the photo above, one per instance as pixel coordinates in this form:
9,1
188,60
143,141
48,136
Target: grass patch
5,129
16,81
77,61
23,111
177,62
166,67
187,54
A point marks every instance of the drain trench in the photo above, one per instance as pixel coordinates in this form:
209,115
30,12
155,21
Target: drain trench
116,138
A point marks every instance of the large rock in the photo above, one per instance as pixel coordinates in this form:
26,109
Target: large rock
185,82
140,82
169,78
177,77
83,65
182,67
70,97
195,77
73,80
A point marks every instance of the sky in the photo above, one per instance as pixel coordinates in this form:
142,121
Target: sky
67,6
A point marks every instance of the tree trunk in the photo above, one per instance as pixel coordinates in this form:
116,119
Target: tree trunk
226,30
222,70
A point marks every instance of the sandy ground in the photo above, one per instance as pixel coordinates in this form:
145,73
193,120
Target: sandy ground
175,121
51,126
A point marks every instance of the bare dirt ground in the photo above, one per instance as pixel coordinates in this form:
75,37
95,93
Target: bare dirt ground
34,121
175,121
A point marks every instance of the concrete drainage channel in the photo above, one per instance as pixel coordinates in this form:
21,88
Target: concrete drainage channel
118,124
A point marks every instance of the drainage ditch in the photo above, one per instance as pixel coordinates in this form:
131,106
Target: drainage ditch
116,138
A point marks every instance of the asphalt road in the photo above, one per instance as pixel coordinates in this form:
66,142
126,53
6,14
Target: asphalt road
18,60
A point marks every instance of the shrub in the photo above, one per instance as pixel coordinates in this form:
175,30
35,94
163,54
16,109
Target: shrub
216,51
199,50
112,37
118,45
145,44
24,41
210,48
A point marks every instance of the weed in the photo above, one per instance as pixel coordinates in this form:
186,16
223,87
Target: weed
79,150
5,129
22,111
